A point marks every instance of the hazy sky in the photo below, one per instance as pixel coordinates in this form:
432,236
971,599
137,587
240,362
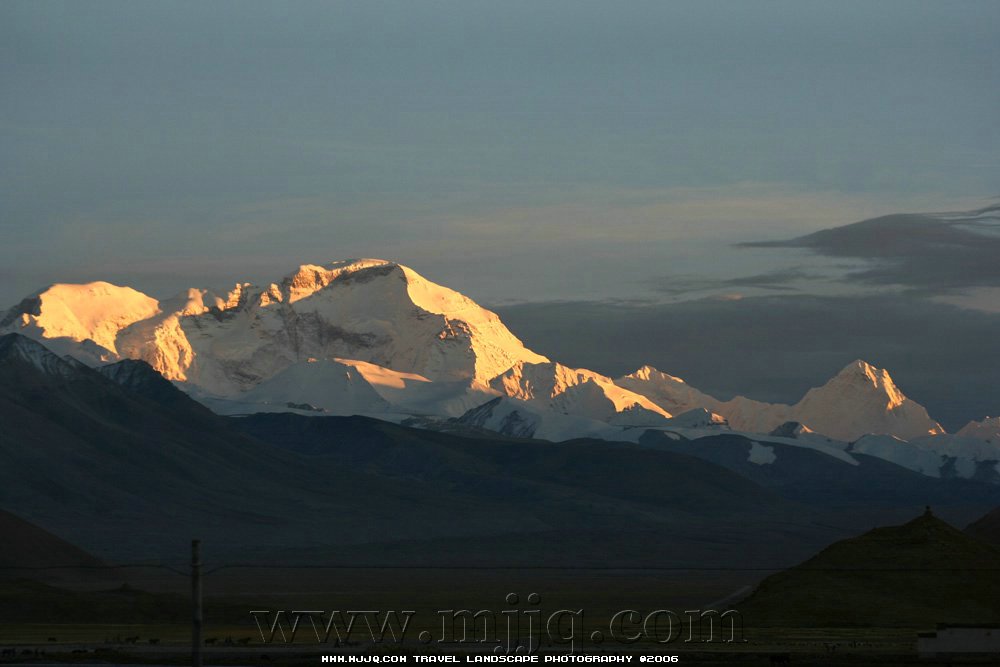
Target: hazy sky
513,150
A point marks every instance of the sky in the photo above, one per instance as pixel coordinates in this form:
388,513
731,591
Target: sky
520,152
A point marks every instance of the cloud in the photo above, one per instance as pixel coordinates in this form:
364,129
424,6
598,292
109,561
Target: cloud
933,253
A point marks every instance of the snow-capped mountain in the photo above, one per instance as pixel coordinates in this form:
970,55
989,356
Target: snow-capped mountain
576,391
369,310
318,384
859,410
699,418
374,337
941,455
900,452
863,399
793,430
84,320
415,394
860,399
669,392
988,429
675,395
358,336
518,419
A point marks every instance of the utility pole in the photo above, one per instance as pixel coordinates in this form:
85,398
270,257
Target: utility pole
196,617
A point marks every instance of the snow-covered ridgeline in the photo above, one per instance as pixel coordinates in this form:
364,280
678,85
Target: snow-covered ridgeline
375,337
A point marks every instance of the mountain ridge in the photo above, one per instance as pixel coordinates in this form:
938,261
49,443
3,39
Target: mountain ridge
412,347
858,387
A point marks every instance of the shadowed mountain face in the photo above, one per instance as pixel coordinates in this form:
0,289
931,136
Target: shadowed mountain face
920,573
136,470
126,476
140,380
512,469
580,502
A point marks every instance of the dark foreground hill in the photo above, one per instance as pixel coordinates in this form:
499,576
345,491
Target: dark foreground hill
917,574
126,466
986,528
25,545
28,551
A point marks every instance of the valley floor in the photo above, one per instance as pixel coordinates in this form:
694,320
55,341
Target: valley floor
235,640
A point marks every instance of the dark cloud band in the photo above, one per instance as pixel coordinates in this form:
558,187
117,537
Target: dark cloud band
932,252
